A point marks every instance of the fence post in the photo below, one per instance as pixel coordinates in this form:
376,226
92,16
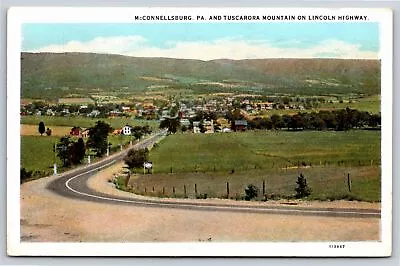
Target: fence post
127,179
163,190
227,189
171,170
145,190
263,187
153,189
195,189
184,190
348,182
173,191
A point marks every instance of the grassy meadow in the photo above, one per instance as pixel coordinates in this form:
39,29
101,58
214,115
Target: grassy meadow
275,157
86,122
327,183
37,153
265,150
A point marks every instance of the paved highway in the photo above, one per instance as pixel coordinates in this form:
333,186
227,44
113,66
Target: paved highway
73,184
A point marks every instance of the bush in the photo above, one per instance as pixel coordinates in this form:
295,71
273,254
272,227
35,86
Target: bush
24,174
136,158
302,189
202,196
251,192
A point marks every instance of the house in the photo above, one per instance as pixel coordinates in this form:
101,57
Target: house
209,126
196,127
127,130
85,133
76,131
185,122
226,130
117,132
239,125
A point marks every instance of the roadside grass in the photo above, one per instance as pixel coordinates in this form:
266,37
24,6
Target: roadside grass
327,183
86,122
265,150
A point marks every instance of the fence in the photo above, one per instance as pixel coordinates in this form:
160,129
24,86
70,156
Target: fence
344,185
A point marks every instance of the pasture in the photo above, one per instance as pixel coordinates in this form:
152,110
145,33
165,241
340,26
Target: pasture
37,152
209,161
86,122
32,130
265,150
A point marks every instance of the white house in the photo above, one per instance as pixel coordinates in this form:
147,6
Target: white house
127,130
196,127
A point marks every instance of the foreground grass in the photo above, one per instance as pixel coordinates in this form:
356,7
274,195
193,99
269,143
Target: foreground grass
86,122
327,183
265,150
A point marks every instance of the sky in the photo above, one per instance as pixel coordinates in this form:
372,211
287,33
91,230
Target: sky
207,41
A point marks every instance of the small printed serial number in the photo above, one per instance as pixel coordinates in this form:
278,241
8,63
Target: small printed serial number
336,246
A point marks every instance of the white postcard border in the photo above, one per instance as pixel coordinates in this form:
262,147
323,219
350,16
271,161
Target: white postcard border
17,16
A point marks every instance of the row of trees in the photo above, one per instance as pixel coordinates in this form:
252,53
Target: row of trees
338,120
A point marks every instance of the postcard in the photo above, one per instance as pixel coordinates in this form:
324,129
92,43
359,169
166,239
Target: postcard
199,132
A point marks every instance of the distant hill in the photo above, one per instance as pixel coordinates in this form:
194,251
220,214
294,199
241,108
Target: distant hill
81,73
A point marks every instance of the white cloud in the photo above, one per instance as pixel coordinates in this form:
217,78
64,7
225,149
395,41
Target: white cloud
207,50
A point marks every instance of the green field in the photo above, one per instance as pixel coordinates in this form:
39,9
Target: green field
265,150
210,161
370,104
37,152
327,183
86,122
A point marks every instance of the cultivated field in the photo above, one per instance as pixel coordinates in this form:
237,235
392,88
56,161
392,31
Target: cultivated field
37,153
265,150
209,162
32,130
85,122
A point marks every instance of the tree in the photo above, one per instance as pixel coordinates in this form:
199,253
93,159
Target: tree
302,189
136,158
48,131
63,150
98,137
77,151
251,192
41,128
172,124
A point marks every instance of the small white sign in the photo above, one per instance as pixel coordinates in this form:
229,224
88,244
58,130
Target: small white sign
148,165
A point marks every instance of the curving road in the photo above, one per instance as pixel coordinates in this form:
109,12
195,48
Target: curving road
74,185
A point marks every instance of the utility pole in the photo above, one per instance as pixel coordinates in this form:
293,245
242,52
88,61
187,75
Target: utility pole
55,159
108,148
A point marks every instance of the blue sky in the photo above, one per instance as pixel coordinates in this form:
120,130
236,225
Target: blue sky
208,40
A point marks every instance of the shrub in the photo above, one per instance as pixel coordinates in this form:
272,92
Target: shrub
302,189
201,196
24,174
251,192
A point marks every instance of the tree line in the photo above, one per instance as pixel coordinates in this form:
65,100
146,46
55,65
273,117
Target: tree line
339,120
